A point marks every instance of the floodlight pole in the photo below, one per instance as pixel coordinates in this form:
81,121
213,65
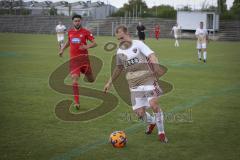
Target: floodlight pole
112,29
98,29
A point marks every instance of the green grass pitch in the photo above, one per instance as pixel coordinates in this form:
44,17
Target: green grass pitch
204,105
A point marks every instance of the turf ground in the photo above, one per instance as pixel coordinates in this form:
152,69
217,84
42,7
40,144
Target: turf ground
203,106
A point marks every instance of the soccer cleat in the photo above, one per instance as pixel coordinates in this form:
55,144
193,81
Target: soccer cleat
77,106
150,128
163,138
204,61
199,59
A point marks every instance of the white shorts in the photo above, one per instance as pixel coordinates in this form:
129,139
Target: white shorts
201,45
60,37
141,95
175,36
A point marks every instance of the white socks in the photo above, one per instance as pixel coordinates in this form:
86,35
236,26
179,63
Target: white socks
159,122
205,55
176,43
199,54
149,119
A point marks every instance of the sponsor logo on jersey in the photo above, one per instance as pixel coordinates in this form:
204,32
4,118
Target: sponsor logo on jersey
76,40
132,61
135,50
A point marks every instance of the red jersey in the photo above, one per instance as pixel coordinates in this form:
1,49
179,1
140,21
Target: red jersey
157,28
78,38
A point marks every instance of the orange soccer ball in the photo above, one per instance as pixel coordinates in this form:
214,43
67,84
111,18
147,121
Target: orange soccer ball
118,139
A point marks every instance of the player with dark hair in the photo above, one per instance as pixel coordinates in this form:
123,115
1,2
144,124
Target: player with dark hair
79,60
141,31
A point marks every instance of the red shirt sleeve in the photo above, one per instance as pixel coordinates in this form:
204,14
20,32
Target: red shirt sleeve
89,36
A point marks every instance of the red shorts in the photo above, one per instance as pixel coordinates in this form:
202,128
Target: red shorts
80,64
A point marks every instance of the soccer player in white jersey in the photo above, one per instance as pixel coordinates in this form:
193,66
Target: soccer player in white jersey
202,40
142,70
176,31
60,30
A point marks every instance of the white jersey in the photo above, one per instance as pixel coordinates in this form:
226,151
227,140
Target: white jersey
135,62
176,30
60,29
201,35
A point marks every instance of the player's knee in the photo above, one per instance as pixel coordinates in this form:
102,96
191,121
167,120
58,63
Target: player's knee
154,104
74,78
140,112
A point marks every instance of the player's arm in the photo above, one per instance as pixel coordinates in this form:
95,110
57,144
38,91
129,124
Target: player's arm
66,45
90,45
116,72
154,64
171,32
207,38
196,33
152,60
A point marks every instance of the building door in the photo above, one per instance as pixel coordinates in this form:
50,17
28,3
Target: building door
209,21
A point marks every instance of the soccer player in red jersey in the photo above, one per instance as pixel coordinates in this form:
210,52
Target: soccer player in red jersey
157,31
79,60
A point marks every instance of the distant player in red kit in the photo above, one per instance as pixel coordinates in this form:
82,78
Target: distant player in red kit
79,60
157,31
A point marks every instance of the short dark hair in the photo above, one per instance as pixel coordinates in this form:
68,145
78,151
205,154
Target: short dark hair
76,16
122,27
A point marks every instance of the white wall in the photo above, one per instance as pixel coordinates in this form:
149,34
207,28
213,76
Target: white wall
191,20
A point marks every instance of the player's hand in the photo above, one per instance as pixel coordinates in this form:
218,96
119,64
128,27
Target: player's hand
83,47
107,87
61,52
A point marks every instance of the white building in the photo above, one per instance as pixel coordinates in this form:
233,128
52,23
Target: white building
95,10
190,20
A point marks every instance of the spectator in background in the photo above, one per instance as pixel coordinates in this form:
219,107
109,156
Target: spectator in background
141,31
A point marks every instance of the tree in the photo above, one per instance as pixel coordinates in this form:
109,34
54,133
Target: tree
162,11
235,9
210,8
186,8
222,6
132,8
53,11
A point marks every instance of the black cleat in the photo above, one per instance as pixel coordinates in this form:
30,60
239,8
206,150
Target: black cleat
77,106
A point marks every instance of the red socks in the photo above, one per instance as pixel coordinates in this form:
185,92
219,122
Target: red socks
75,92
